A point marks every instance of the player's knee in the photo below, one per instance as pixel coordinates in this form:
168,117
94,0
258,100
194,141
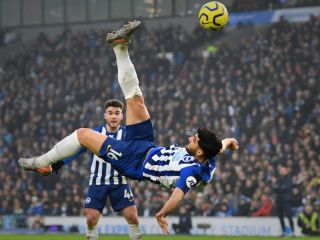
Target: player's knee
133,219
92,220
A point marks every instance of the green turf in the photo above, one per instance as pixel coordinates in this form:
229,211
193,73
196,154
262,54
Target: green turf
124,237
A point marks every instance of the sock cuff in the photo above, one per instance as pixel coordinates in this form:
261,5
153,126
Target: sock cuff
94,228
133,225
75,136
93,233
121,52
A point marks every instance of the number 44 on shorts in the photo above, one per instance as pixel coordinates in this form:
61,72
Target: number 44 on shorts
128,194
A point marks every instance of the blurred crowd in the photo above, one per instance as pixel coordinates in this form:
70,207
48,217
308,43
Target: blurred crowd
252,5
265,92
8,36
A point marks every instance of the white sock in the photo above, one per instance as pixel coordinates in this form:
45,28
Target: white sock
65,148
121,52
127,76
134,232
92,234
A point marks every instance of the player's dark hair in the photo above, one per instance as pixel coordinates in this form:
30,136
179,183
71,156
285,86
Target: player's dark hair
209,142
113,103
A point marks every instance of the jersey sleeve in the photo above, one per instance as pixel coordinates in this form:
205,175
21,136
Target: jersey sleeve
189,178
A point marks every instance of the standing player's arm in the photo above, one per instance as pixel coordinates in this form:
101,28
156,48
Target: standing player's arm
173,202
229,143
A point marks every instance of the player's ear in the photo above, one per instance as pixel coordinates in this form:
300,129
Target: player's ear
199,152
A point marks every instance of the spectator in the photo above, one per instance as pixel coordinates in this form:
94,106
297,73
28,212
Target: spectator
283,190
265,208
36,207
317,210
243,209
308,221
296,201
38,223
224,209
185,223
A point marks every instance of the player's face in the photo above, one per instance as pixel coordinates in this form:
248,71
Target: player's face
113,117
193,145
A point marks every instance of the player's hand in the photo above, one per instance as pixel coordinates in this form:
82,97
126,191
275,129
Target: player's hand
162,222
233,145
56,167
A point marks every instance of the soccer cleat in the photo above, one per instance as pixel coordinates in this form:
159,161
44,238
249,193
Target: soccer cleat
44,171
29,164
122,36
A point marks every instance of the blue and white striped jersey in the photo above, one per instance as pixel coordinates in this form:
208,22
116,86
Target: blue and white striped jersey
101,172
173,167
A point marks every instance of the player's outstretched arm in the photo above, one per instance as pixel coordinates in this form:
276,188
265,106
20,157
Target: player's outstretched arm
173,202
229,143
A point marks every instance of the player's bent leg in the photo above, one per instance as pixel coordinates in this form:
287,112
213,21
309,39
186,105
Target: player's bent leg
131,215
136,110
127,76
65,148
92,216
91,139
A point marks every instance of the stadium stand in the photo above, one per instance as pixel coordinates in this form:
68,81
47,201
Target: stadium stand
264,92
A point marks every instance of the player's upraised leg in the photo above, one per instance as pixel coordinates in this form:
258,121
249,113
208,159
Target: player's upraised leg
127,76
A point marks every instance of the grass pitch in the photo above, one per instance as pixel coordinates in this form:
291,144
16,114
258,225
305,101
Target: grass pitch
146,237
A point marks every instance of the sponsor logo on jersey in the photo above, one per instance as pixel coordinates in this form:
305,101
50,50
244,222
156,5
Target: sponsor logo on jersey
179,154
191,181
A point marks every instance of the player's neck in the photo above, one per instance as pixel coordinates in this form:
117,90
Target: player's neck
111,129
201,159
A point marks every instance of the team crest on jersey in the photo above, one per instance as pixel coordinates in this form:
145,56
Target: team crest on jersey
191,181
88,200
187,159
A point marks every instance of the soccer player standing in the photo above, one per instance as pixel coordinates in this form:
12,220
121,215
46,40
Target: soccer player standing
138,156
104,180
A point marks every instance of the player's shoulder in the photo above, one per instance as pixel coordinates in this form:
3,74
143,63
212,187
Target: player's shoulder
122,128
192,169
121,132
207,171
100,128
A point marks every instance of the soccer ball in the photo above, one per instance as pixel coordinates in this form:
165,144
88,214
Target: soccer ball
213,16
